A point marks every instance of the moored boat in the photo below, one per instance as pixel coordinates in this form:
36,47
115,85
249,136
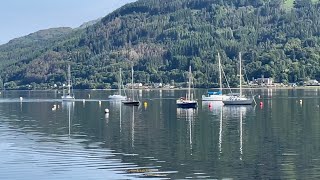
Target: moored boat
216,96
131,101
69,96
239,99
119,96
188,101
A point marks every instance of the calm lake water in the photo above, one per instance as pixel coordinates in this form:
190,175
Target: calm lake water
279,140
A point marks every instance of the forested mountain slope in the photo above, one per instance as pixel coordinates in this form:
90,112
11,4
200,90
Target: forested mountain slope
29,46
277,38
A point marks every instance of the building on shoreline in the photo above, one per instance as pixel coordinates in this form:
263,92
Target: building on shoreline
262,81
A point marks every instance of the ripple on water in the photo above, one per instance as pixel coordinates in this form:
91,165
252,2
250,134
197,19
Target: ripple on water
32,157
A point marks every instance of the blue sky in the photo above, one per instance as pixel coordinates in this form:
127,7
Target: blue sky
22,17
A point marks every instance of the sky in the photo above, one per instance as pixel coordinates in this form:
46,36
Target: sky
22,17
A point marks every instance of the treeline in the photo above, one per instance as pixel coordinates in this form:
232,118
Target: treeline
161,38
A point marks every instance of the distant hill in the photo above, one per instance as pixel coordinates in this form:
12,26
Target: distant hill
43,35
163,37
30,46
89,23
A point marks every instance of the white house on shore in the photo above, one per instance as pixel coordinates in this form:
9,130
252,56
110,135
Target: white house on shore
263,81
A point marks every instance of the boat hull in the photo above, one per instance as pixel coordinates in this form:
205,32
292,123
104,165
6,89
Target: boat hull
117,97
67,98
131,103
215,97
187,104
238,101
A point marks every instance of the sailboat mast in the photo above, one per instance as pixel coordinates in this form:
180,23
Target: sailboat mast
69,79
120,83
189,83
132,83
220,74
240,75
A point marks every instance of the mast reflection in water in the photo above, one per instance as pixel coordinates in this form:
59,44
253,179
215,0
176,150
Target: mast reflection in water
188,115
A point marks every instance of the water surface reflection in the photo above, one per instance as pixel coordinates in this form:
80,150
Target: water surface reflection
43,138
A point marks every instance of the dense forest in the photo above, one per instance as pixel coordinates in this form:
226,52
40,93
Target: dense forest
161,38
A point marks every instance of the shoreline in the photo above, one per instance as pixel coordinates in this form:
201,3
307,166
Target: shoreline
173,89
301,87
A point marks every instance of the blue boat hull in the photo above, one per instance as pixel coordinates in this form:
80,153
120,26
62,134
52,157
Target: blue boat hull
131,103
187,105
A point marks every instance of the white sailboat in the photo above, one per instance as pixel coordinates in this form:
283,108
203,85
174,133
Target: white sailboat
118,97
69,96
188,101
131,101
216,96
239,100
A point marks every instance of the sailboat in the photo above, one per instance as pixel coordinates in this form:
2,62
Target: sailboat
118,96
239,100
216,96
187,102
69,96
131,101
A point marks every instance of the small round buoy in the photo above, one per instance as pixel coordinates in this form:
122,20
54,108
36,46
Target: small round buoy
21,98
106,110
